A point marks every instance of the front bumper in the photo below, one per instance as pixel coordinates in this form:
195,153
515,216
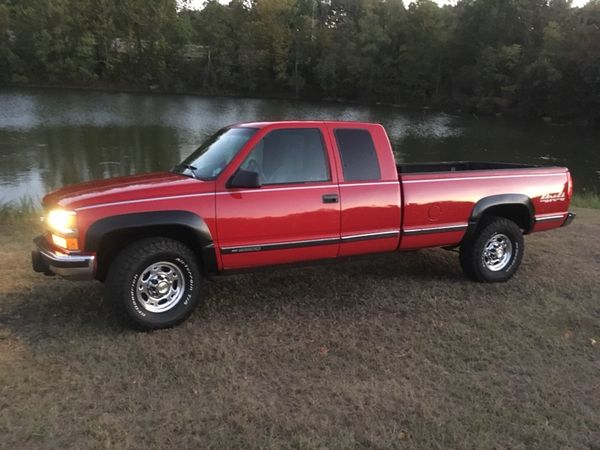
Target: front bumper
53,262
569,219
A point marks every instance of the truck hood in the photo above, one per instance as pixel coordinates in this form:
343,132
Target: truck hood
120,189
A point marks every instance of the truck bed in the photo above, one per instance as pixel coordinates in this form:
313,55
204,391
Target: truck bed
439,197
457,166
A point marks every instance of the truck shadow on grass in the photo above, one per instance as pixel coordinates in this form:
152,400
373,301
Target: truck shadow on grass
52,306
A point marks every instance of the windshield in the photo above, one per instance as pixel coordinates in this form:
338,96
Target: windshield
209,160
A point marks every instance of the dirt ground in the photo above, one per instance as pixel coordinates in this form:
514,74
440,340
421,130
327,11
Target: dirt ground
393,351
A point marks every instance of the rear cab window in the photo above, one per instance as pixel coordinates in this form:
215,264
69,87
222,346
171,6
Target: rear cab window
358,154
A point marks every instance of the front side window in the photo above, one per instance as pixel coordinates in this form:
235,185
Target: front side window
357,151
289,156
209,160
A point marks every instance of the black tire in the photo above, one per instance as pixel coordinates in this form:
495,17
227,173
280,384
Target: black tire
126,289
476,262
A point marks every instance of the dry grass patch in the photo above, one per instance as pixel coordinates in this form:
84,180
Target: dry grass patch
392,351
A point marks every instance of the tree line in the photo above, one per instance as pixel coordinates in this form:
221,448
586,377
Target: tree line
538,58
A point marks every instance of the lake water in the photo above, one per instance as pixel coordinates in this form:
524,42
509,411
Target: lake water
53,137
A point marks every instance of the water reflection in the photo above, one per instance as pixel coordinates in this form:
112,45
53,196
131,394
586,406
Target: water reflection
49,138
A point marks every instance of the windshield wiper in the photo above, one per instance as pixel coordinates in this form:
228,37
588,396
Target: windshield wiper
192,169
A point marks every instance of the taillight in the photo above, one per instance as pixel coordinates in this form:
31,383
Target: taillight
569,186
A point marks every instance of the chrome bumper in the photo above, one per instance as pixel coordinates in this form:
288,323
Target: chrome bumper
52,262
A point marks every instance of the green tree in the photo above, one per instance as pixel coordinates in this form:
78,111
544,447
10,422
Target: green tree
526,57
6,55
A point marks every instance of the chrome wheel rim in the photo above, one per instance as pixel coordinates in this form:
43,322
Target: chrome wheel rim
497,252
160,287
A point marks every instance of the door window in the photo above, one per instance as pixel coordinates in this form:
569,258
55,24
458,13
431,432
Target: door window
295,155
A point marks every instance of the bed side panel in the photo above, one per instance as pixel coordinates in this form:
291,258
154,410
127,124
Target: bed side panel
438,206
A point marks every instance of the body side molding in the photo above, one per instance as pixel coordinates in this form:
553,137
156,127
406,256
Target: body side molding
310,243
429,230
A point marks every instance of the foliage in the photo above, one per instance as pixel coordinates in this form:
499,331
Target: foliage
529,57
586,200
16,212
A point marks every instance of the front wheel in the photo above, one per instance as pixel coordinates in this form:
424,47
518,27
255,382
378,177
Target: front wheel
154,282
495,252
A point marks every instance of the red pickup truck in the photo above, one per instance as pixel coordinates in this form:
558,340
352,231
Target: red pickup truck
268,193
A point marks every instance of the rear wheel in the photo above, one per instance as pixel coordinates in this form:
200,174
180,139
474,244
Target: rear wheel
154,283
495,252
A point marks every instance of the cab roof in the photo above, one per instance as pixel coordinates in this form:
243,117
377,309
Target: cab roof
293,123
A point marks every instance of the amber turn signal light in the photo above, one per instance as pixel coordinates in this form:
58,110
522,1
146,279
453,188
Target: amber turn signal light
66,243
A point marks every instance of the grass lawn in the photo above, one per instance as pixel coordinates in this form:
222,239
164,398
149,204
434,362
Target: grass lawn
392,351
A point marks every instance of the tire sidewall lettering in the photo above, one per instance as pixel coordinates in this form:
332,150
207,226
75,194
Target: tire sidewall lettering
134,303
189,281
515,255
185,301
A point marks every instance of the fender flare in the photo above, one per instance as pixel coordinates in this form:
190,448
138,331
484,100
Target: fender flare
138,221
485,203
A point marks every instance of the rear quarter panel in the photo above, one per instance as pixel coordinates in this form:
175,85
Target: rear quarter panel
437,200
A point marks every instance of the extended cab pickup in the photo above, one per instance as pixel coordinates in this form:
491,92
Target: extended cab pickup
268,193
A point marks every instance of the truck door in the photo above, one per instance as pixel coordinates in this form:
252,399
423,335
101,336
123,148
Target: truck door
369,188
294,215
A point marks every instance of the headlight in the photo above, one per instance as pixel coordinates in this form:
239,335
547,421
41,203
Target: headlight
65,222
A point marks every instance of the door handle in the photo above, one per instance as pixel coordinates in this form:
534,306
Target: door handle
330,198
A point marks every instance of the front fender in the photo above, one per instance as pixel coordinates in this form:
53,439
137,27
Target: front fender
144,221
